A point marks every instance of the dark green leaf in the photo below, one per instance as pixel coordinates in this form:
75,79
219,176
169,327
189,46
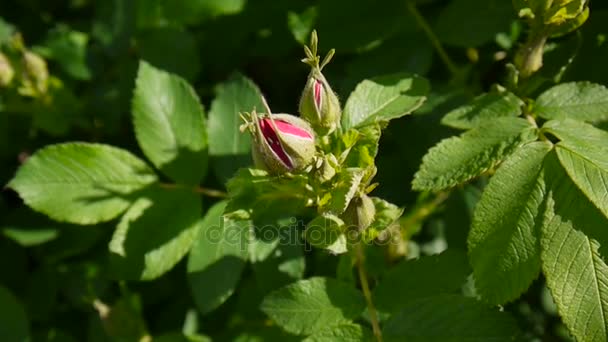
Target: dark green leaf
81,183
484,108
582,153
154,44
470,23
170,124
308,305
69,49
14,325
504,239
424,277
458,159
576,273
581,101
450,318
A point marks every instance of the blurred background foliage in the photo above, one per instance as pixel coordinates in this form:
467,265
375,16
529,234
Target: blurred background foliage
72,69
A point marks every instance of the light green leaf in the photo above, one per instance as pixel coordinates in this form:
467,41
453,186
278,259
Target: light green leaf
485,107
30,237
309,305
301,24
218,257
238,94
344,189
383,99
155,233
583,152
327,231
504,239
81,183
424,277
196,11
386,214
69,49
458,159
576,273
347,332
450,318
170,124
583,101
14,325
227,144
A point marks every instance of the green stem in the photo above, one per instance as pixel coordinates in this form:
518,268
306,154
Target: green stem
373,315
445,58
196,189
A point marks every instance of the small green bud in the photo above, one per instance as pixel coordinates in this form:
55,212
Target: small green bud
7,72
319,105
360,213
281,142
327,167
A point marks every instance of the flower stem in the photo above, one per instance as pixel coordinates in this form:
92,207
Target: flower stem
196,189
373,315
424,25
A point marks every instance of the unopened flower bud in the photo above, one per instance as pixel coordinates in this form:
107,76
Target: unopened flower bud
6,71
360,213
319,104
36,74
281,142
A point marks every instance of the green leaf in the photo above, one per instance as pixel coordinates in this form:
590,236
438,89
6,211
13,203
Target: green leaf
81,183
170,124
327,231
458,159
347,332
301,24
386,214
69,49
195,11
582,152
230,148
471,23
30,237
344,189
576,274
484,108
309,305
504,239
217,257
583,101
14,325
6,31
450,318
424,277
269,197
384,98
155,233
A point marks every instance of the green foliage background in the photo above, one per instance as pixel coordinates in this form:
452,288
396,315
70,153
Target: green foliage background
76,275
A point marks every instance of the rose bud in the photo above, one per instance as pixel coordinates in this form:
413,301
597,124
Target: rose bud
319,104
281,142
360,213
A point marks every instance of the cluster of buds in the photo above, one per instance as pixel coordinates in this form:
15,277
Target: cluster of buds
286,143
